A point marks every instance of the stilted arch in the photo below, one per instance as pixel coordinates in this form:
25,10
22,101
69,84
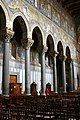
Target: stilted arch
38,41
61,44
50,51
68,53
68,69
35,50
59,60
24,18
38,33
5,9
49,33
37,25
20,29
60,48
50,42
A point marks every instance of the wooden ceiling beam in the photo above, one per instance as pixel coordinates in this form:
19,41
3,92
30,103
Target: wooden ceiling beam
73,7
70,2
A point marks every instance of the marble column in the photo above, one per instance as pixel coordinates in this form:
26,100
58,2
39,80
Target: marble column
53,54
6,54
55,73
27,43
71,69
42,50
64,74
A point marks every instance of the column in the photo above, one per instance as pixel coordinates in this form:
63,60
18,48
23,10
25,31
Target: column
64,75
5,80
55,73
71,69
27,43
53,55
42,50
74,76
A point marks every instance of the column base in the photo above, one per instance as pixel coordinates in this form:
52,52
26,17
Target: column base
5,95
64,91
43,94
55,92
28,94
71,91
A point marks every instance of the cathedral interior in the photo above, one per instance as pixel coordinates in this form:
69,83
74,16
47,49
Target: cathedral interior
40,59
39,43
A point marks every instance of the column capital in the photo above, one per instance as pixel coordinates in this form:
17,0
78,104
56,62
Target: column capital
42,48
27,43
6,34
69,60
53,53
62,57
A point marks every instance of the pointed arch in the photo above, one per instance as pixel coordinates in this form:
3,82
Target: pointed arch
68,53
38,26
37,36
50,51
2,19
19,28
50,43
60,48
5,9
24,18
68,69
50,34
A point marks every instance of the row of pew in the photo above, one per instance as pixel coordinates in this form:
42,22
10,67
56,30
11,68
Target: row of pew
57,106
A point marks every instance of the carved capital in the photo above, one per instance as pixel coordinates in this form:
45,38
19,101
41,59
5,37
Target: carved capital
6,34
53,53
42,49
69,60
62,58
27,43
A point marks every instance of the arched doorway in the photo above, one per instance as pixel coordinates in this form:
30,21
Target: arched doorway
49,62
59,60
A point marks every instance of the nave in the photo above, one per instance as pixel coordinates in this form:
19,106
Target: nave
58,106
